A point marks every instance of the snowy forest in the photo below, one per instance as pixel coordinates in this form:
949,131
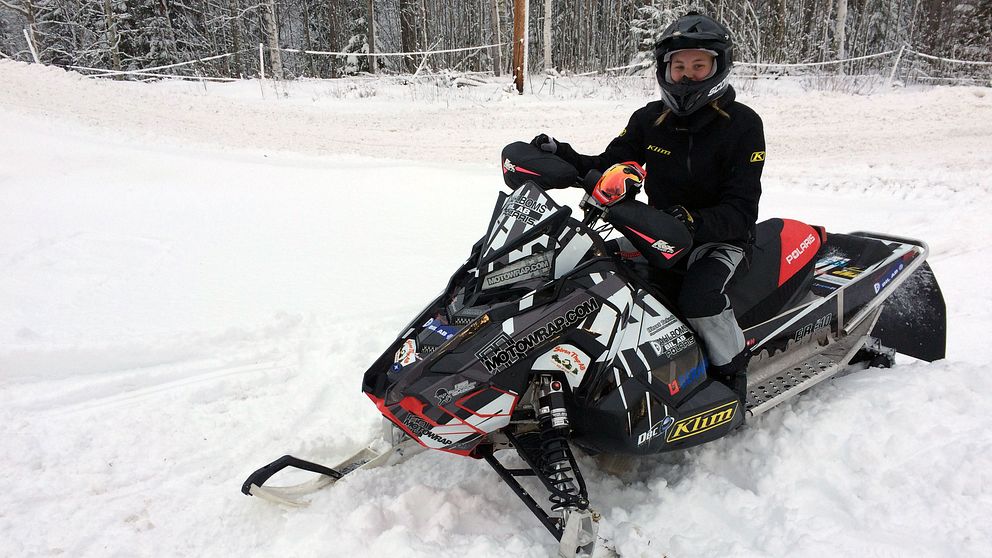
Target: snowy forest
583,35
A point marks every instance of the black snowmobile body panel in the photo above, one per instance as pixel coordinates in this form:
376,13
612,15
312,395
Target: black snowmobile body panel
548,337
540,295
855,273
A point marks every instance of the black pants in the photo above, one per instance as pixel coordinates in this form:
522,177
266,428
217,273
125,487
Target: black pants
700,294
705,304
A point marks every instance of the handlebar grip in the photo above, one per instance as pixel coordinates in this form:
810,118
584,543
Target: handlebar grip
590,179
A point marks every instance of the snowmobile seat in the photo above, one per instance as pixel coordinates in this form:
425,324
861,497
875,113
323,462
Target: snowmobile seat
780,272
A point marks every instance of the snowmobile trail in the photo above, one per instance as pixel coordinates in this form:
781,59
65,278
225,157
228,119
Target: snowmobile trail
157,381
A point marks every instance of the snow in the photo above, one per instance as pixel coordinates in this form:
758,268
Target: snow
196,277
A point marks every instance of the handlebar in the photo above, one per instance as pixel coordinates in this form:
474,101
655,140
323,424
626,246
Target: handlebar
593,211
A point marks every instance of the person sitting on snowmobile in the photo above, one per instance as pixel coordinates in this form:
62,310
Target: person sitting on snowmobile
704,153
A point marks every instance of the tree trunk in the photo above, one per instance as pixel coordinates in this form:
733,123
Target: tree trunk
334,31
547,35
30,13
272,35
423,22
408,32
520,19
840,31
776,51
497,17
307,41
371,24
233,6
115,53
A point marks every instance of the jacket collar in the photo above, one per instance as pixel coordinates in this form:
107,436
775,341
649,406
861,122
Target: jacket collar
702,117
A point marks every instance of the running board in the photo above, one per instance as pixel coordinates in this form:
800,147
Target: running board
805,371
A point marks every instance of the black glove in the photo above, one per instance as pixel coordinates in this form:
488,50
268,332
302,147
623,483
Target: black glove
683,215
544,142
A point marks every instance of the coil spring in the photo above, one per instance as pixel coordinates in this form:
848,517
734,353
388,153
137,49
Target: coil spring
556,465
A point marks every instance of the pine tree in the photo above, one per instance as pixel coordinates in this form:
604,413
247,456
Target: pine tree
971,29
6,44
358,41
146,35
648,23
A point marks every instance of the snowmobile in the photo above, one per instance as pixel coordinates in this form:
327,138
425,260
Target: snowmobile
546,340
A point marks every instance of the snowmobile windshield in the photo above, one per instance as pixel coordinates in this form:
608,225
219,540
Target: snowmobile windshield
516,225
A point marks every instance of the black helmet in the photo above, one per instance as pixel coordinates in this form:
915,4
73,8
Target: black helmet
694,31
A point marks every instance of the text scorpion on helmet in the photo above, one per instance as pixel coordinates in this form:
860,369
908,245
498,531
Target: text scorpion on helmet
692,91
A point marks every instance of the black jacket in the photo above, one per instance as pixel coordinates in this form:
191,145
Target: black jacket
706,162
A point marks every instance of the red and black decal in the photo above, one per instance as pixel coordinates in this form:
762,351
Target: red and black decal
800,243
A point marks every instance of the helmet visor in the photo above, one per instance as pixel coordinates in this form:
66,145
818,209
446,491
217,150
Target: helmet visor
669,54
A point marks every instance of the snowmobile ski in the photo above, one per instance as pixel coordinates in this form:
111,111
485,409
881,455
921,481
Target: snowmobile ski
374,455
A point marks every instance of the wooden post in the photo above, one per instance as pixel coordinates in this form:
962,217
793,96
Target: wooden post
520,19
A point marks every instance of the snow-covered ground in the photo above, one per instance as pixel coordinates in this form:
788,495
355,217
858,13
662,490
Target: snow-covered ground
196,277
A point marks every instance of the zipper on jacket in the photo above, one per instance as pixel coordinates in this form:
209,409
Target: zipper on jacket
688,157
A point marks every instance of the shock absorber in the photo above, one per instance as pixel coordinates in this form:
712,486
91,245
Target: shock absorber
568,490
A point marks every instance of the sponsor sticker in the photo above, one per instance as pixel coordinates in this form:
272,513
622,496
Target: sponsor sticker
884,282
657,429
422,429
527,268
719,86
847,272
663,247
439,327
524,209
674,342
406,354
662,325
568,360
702,422
445,396
503,351
826,264
801,249
694,374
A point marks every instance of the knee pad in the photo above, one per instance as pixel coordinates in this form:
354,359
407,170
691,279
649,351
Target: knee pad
696,301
